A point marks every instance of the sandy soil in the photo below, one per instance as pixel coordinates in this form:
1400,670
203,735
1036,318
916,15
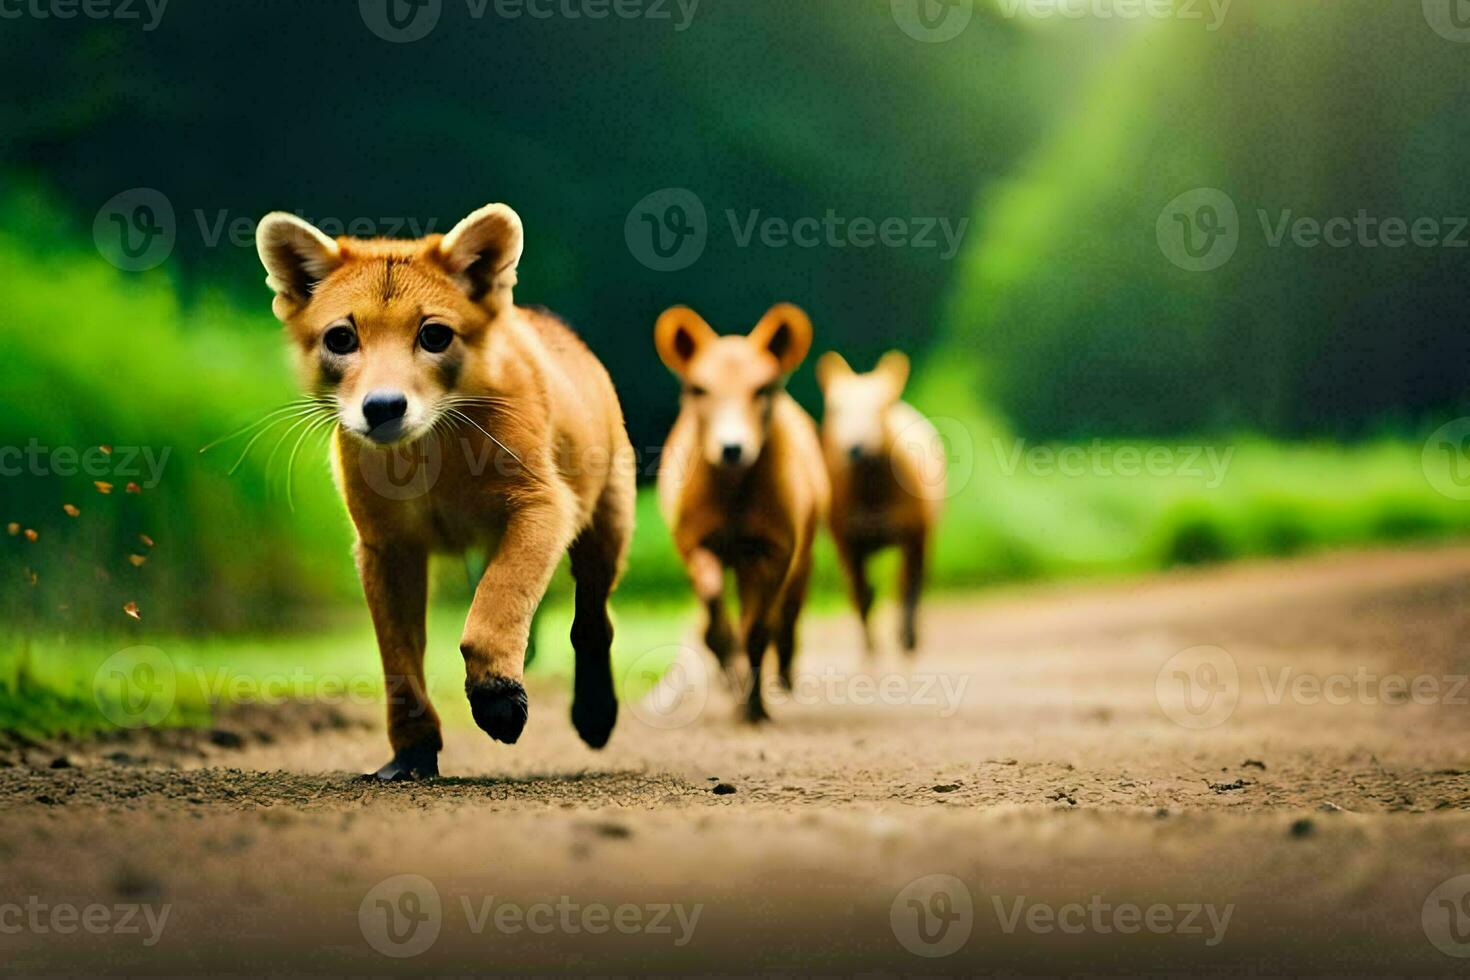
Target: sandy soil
1037,792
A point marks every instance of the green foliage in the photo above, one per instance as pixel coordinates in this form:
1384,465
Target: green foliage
234,108
1064,331
96,357
1253,498
1317,109
135,367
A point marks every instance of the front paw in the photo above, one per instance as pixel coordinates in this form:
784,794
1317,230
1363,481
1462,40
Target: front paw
500,707
594,717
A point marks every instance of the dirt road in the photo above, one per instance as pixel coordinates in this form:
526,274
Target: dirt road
1263,768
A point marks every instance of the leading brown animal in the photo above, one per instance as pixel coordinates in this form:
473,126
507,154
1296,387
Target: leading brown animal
741,482
417,353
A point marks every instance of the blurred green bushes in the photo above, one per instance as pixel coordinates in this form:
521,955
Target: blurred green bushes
102,357
97,357
1039,510
1313,109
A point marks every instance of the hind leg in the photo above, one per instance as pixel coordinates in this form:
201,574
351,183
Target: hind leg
760,578
791,605
853,555
719,636
707,575
597,558
911,584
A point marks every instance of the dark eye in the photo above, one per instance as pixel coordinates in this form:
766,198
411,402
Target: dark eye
340,340
695,391
435,337
768,391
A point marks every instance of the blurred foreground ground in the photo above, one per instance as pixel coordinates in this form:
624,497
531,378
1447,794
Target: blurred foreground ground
1258,769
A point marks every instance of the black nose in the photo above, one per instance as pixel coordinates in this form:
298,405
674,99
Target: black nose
731,454
384,409
855,454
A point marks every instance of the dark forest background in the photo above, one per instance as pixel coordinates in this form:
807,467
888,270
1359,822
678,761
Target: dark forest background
1056,143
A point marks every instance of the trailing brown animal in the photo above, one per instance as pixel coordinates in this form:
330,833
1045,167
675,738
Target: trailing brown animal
887,467
417,355
741,482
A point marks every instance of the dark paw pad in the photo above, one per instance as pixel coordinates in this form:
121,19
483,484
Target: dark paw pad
594,718
414,762
499,706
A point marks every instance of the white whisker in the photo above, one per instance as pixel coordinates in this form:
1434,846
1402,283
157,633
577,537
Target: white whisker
462,416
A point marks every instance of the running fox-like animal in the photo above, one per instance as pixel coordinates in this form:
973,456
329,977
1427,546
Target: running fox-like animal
415,350
887,466
741,482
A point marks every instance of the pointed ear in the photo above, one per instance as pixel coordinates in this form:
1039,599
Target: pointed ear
894,367
483,250
785,331
830,367
296,256
678,335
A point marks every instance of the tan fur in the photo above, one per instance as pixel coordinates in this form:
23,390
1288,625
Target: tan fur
887,468
558,474
759,516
